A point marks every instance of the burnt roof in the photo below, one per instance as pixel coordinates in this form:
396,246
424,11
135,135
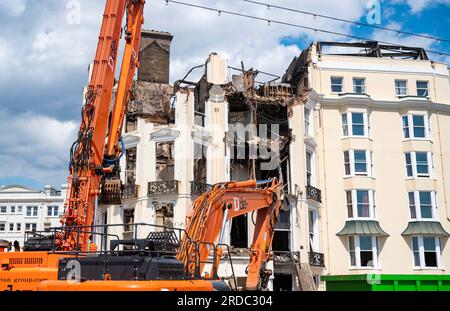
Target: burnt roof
371,49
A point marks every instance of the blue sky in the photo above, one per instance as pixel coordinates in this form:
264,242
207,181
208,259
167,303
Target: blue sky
433,20
44,59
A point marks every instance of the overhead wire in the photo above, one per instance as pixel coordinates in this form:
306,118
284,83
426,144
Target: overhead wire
359,24
280,22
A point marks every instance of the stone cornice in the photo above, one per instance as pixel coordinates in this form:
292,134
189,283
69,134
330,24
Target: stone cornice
366,101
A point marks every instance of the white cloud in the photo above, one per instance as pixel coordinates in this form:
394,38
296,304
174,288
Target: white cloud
35,147
13,7
198,32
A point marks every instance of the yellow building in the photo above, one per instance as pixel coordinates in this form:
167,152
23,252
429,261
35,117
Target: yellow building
381,119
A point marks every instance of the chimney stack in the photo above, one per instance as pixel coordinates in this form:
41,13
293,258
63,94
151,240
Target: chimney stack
154,56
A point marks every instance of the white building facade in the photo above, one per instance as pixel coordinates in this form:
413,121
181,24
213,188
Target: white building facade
25,209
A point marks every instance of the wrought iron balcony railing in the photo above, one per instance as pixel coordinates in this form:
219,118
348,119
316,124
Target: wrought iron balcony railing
198,188
313,193
163,187
130,191
316,259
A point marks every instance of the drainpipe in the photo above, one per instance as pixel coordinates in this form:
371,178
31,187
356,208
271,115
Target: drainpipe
447,207
324,194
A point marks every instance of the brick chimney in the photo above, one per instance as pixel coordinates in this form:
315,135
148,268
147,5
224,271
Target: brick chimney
154,56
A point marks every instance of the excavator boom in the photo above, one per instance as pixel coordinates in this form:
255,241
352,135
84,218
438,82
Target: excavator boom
96,150
87,156
94,157
210,213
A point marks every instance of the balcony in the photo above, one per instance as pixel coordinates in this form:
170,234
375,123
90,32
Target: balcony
163,188
198,188
130,191
316,259
313,193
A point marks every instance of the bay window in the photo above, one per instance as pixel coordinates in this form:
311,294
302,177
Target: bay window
363,250
415,127
358,163
360,204
355,124
422,205
426,251
418,164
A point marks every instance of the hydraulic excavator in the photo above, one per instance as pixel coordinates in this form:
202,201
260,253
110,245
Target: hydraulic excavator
162,260
94,155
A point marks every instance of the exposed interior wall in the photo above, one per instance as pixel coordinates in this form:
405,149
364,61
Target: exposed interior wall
165,161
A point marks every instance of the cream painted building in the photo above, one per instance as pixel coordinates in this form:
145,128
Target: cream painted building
382,128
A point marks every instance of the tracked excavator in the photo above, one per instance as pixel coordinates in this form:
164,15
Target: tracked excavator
67,257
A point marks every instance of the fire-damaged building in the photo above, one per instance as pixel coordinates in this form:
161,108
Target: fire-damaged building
233,123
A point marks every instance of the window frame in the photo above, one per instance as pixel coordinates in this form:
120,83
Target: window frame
414,164
334,84
352,163
310,174
421,251
357,252
3,209
314,231
400,88
34,211
417,204
347,126
308,121
410,126
354,204
52,209
18,227
427,89
363,86
3,225
31,225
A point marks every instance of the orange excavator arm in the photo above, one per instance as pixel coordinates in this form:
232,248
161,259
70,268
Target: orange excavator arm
96,149
211,212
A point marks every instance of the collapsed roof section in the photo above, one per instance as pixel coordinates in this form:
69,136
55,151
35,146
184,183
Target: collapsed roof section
371,49
245,90
297,72
151,101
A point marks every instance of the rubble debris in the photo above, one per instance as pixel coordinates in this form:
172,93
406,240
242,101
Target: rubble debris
151,101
